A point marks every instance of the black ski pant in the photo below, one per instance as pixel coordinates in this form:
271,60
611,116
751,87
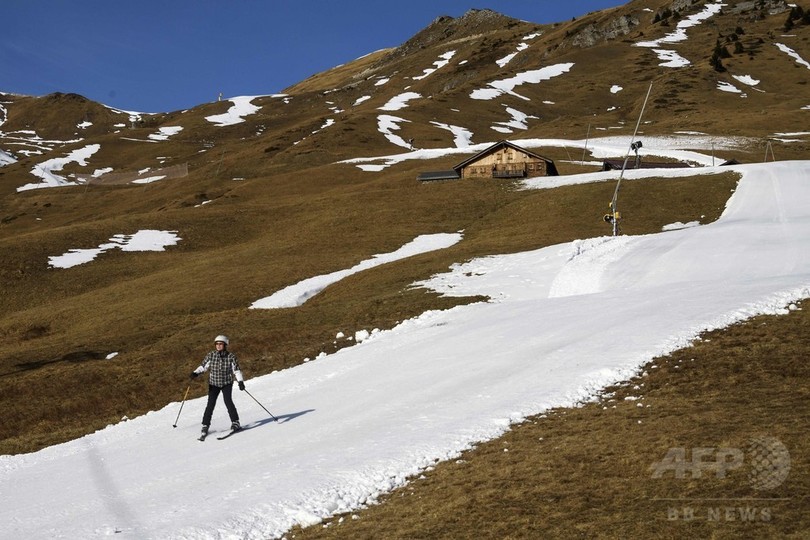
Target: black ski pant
227,396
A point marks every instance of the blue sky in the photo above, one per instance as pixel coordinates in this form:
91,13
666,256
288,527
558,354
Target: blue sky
166,55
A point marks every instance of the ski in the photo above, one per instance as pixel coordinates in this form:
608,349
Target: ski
231,432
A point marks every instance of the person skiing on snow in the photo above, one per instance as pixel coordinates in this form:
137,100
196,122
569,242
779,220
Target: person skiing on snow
223,368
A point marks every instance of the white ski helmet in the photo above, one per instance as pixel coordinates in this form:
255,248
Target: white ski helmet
223,339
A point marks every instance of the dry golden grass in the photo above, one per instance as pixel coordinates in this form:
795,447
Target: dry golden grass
585,472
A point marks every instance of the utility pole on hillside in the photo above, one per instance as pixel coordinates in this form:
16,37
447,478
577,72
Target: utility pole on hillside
587,136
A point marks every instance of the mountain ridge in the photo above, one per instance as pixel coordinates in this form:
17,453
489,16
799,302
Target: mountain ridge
488,36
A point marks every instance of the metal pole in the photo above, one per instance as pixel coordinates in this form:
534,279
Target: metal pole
181,406
222,155
587,136
769,146
613,205
262,406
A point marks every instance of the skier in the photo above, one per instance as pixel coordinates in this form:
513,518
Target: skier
223,368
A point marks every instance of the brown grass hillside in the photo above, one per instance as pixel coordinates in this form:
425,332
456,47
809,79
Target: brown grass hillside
281,207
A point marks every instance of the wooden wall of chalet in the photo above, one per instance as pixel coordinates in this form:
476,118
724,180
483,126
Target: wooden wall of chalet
505,163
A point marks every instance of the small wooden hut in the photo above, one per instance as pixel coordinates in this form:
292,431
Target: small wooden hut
501,160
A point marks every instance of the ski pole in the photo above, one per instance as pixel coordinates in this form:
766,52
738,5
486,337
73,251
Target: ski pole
181,406
262,406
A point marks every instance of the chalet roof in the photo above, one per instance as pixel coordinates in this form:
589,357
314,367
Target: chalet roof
495,147
438,175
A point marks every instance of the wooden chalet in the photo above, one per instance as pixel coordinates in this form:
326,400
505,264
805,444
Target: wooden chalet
501,160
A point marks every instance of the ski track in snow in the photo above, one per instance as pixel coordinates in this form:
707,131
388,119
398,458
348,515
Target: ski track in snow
357,423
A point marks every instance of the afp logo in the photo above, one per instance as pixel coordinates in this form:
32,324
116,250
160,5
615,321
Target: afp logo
767,459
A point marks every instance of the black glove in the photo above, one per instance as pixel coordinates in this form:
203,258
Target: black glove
241,385
193,375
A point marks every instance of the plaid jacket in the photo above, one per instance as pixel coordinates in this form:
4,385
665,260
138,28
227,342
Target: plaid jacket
222,366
